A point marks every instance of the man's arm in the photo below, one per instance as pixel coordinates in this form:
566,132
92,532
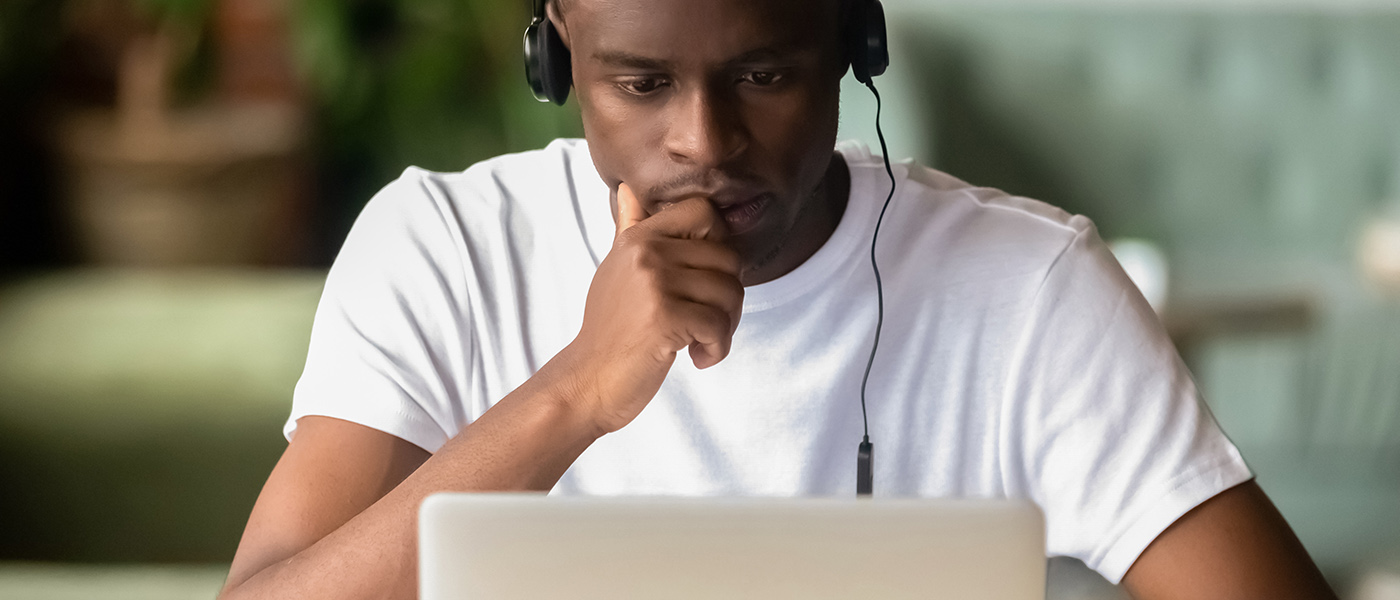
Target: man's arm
1235,545
338,516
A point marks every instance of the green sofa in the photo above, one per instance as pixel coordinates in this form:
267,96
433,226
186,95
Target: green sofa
140,411
1252,142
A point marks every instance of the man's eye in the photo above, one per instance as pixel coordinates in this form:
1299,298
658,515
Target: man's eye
643,85
762,77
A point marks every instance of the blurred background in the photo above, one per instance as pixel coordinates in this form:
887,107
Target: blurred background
176,175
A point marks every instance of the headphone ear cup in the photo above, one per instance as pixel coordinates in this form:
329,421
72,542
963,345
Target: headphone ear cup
877,41
548,65
534,74
868,41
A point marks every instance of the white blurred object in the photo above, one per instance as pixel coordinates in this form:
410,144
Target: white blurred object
1378,585
1146,265
1379,252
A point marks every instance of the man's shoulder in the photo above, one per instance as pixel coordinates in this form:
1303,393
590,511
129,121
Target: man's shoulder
526,188
556,159
507,175
993,206
943,219
928,196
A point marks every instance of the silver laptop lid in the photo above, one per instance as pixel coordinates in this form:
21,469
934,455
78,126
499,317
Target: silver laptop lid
509,546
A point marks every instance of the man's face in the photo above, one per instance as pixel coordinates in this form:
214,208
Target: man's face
733,100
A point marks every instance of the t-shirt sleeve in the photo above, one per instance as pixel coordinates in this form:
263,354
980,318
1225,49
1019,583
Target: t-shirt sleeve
390,348
1106,431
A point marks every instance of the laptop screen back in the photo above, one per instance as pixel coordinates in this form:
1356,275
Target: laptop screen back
509,546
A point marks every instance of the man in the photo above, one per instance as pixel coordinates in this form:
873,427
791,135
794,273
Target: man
505,328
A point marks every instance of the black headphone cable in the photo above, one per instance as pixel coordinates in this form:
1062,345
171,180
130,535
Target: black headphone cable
865,453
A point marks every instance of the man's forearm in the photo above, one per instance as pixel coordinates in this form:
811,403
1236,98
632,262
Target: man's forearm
668,284
525,442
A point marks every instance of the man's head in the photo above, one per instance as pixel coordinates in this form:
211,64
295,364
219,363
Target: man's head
734,100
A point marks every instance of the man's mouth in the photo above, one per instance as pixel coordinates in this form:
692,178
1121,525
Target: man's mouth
744,216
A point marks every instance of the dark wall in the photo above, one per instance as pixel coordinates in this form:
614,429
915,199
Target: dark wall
28,48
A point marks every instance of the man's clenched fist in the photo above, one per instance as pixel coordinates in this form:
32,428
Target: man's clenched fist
668,283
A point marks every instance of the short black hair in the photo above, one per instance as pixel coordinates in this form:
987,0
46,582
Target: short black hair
845,5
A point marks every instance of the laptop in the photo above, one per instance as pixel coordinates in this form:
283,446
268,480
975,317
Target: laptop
518,546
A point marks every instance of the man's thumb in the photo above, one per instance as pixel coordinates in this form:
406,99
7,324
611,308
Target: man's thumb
629,209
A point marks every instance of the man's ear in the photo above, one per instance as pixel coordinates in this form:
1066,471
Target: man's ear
551,9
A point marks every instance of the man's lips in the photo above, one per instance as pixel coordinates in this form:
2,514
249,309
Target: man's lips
744,215
740,209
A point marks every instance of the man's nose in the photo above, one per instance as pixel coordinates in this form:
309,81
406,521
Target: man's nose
705,130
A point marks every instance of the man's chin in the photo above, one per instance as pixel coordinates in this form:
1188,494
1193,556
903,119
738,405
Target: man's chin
756,253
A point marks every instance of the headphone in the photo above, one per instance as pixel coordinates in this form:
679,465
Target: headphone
549,69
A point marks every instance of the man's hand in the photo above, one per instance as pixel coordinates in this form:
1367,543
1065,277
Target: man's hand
668,283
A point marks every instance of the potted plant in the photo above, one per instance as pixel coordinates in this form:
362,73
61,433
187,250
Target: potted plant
152,182
435,83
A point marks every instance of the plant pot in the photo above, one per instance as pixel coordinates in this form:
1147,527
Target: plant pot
210,185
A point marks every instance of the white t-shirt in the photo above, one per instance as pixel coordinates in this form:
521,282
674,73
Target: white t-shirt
1017,359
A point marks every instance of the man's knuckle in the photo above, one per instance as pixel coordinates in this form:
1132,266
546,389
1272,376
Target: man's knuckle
645,254
656,285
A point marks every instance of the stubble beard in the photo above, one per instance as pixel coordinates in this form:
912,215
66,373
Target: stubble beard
759,258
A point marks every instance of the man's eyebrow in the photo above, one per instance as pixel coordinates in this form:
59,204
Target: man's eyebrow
627,59
766,54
